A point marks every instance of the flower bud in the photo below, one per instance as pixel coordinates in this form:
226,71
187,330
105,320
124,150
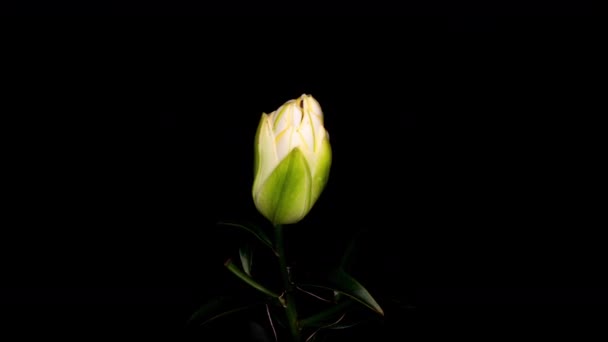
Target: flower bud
292,160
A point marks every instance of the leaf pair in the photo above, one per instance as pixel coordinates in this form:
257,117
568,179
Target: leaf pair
339,280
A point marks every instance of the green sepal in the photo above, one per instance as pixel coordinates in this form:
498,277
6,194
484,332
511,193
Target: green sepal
284,198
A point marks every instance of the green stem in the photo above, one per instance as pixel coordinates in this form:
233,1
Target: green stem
290,305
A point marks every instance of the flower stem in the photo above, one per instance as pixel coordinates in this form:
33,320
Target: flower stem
290,305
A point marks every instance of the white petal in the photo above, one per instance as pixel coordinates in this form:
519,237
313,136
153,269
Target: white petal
279,122
316,121
296,114
266,150
313,106
306,133
284,143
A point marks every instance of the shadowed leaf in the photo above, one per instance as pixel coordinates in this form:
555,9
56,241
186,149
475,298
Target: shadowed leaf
216,308
246,278
246,255
327,316
349,286
253,229
344,284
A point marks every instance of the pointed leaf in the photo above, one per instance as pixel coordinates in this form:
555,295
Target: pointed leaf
314,335
344,284
343,326
246,255
253,229
216,308
319,297
326,316
239,273
349,286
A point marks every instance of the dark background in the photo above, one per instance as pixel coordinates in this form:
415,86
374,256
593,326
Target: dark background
443,8
462,147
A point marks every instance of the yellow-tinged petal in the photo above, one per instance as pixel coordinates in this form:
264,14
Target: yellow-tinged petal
284,143
265,153
282,117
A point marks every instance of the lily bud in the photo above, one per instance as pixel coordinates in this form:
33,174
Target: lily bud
292,160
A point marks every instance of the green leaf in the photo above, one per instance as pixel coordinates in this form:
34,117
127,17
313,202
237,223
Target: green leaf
246,255
343,326
349,286
326,316
335,325
247,279
253,229
216,308
343,283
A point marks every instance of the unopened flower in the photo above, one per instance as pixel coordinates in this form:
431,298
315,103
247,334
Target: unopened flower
292,160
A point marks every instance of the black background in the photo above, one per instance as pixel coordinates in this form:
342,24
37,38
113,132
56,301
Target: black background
461,147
